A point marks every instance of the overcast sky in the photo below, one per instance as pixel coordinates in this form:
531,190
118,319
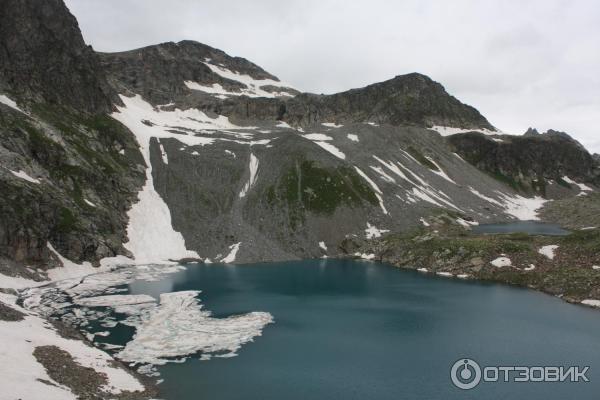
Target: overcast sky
521,63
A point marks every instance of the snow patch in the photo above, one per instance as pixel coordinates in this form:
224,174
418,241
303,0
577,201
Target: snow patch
317,136
440,171
331,125
352,137
365,256
7,101
21,372
591,302
548,251
522,208
448,130
583,187
323,246
253,167
332,149
501,262
378,191
23,175
150,231
373,232
233,249
253,86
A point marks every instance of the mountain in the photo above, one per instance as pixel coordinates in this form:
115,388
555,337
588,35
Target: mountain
69,172
532,161
179,150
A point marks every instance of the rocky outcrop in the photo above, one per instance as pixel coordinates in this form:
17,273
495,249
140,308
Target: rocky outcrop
43,58
529,162
159,72
68,171
412,99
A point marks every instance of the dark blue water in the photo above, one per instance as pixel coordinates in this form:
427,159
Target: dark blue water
358,330
530,227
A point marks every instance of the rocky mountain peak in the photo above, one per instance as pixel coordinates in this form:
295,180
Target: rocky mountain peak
531,132
43,58
411,99
186,72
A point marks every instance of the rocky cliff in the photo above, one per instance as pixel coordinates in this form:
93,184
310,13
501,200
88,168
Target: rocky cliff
68,171
531,162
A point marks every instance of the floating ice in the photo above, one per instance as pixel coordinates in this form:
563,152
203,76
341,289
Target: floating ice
179,327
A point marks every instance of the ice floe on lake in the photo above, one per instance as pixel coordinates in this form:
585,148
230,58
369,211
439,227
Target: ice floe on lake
179,326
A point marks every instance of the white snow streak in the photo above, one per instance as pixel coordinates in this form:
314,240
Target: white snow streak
150,231
23,175
253,86
331,125
448,130
253,167
7,101
233,249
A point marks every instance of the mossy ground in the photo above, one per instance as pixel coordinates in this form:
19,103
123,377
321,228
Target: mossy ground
569,275
310,187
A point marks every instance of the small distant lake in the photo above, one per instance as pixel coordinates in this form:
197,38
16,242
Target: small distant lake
530,227
348,330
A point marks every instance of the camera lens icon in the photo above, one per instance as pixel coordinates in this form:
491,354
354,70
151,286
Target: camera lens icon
465,374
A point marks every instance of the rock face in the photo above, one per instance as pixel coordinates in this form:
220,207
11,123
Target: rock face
69,172
531,161
412,99
159,72
43,58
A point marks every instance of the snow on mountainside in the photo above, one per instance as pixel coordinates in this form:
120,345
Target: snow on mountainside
240,167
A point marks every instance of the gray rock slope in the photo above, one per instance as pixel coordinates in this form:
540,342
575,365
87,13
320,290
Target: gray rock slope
250,169
68,172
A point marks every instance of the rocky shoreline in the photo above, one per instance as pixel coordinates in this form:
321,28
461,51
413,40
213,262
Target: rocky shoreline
567,266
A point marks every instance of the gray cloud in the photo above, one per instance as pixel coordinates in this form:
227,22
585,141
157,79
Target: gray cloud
521,64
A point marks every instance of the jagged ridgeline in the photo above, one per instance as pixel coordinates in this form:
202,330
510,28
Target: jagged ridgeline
179,150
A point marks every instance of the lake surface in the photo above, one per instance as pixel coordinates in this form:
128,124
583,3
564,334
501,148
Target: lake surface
530,227
359,330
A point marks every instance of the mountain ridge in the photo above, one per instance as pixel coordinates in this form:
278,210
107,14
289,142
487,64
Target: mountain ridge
241,167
